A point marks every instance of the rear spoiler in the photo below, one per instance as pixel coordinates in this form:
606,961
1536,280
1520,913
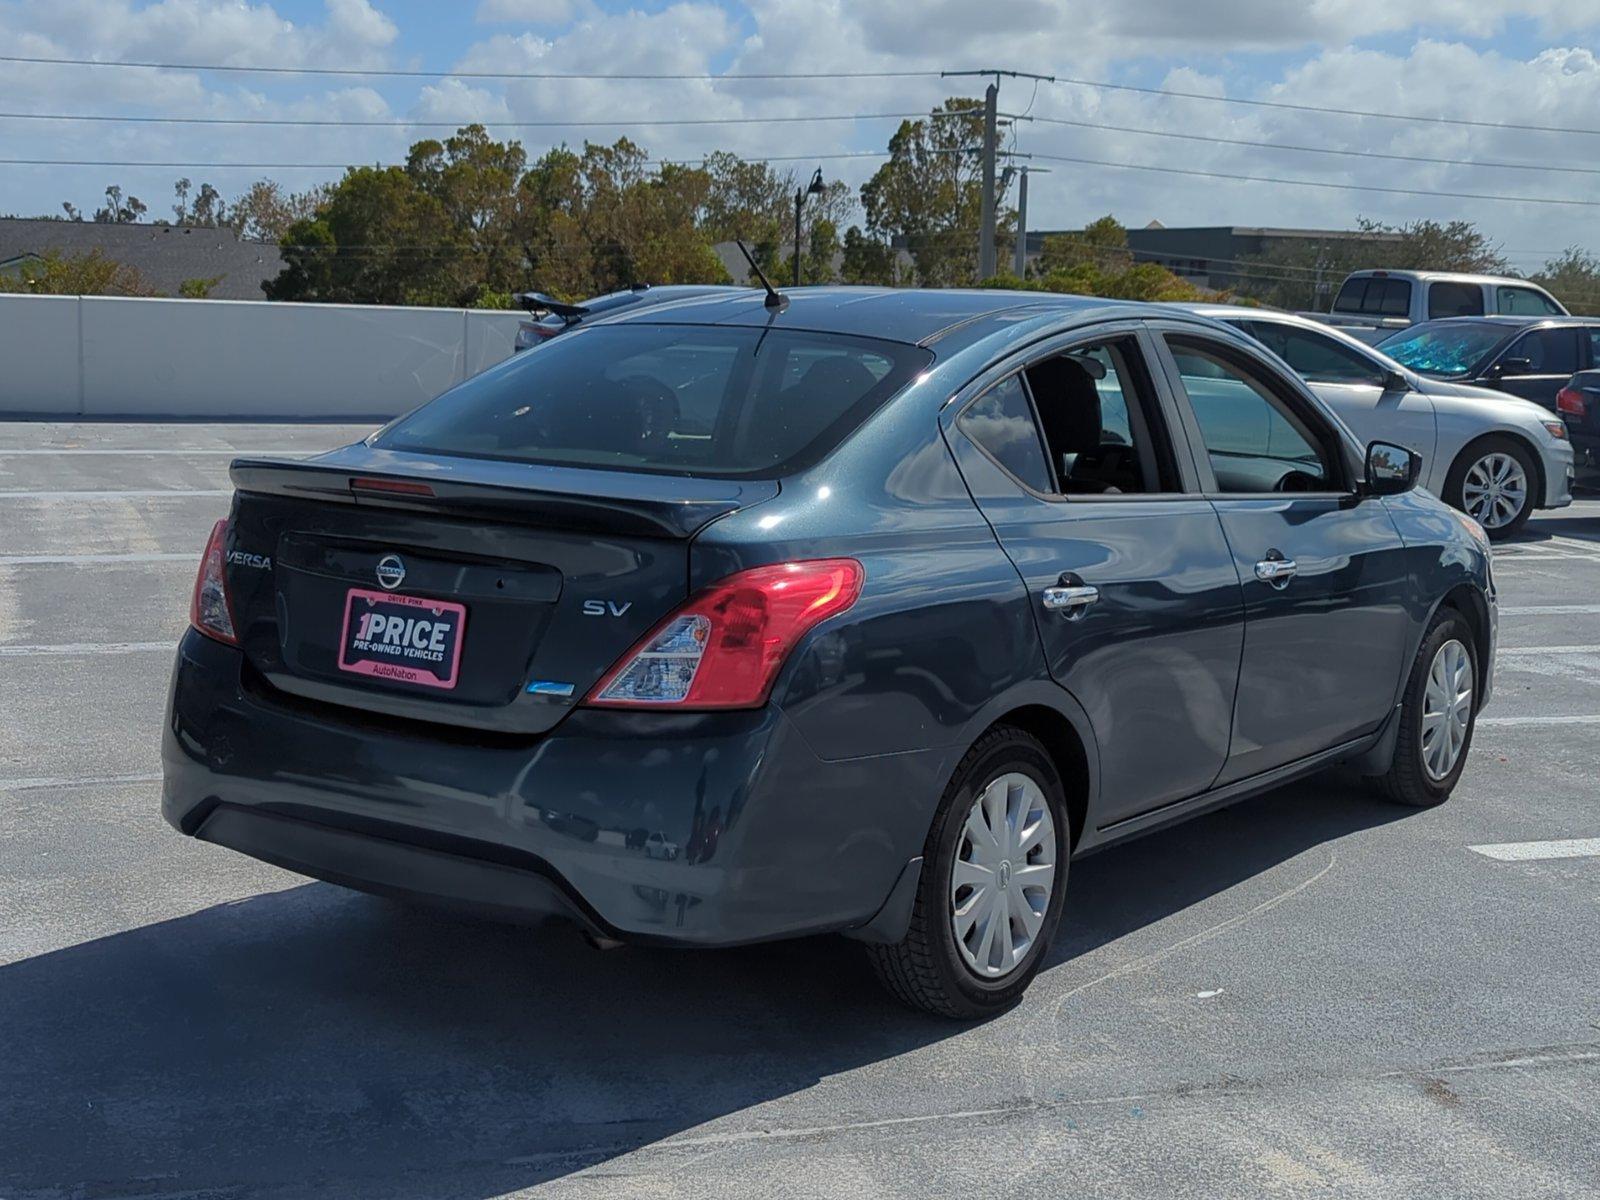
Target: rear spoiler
537,302
571,498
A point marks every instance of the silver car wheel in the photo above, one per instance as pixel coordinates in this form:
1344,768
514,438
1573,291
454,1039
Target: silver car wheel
1495,490
1446,709
1003,876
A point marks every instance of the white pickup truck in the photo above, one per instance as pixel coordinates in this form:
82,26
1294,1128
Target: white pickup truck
1373,304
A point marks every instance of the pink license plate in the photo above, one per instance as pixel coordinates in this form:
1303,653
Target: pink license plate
403,638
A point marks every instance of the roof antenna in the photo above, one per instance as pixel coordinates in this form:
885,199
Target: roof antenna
775,299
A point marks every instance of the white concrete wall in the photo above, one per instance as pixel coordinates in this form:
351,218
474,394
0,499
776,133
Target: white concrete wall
102,356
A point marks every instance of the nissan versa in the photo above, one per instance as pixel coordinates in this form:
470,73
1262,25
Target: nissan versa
750,616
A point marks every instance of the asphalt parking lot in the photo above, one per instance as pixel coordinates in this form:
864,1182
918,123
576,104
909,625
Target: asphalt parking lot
1312,993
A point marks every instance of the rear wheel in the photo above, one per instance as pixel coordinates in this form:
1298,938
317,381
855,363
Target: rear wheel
993,881
1437,717
1493,483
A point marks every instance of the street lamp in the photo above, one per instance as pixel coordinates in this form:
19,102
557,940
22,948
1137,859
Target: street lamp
814,188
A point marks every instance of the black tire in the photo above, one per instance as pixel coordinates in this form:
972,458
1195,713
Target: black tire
1455,482
1408,780
925,970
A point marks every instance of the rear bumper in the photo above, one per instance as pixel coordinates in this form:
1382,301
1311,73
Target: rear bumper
1586,452
716,829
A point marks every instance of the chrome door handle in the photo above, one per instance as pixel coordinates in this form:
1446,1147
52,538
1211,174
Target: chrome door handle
1073,601
1276,571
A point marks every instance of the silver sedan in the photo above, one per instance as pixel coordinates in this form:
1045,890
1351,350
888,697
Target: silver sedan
1495,457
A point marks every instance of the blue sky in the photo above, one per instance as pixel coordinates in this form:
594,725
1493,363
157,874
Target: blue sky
1518,61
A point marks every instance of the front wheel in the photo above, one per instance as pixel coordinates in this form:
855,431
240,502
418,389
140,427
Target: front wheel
1493,483
993,881
1437,717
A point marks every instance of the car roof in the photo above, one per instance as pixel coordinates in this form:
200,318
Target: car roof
951,317
1440,277
1510,320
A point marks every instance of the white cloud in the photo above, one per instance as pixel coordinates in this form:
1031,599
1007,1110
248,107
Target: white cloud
549,14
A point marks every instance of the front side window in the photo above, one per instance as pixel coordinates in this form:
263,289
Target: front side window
1001,421
1525,302
1254,440
1315,357
1096,407
680,399
1546,351
1455,300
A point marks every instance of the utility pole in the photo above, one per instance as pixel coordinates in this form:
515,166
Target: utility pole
986,252
1020,260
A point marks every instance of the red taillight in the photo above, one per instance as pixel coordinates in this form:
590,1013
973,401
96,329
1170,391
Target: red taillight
209,610
1572,402
397,487
725,646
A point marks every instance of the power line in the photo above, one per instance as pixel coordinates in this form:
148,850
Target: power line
1343,187
340,166
1323,108
389,123
386,73
1416,158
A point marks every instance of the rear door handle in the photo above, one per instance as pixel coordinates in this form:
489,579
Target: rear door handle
1276,571
1072,600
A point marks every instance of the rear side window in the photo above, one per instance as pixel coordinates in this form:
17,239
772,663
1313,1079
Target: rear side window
1455,300
1001,421
1525,302
1315,357
679,399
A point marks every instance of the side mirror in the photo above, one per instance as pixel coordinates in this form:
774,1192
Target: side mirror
1391,469
1393,381
1512,366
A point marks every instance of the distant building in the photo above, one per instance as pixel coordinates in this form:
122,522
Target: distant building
164,255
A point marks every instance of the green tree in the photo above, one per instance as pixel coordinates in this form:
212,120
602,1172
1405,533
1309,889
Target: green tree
1573,277
378,240
869,259
265,211
58,274
1102,244
120,209
198,289
207,209
929,193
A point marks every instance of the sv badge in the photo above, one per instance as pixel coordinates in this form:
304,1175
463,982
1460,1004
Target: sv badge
605,608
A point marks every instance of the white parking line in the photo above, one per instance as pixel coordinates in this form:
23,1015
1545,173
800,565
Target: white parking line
95,648
165,451
1549,610
75,781
1532,651
74,560
1529,851
1508,721
132,494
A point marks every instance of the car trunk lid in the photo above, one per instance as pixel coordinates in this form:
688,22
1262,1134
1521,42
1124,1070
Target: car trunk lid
458,591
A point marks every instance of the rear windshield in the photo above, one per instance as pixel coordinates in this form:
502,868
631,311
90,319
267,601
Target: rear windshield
677,399
1374,296
1444,349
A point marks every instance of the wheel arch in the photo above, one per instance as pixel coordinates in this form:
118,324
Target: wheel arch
1050,714
1465,600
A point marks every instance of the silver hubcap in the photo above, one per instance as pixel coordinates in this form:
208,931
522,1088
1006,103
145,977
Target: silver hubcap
1446,709
1495,490
1005,872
